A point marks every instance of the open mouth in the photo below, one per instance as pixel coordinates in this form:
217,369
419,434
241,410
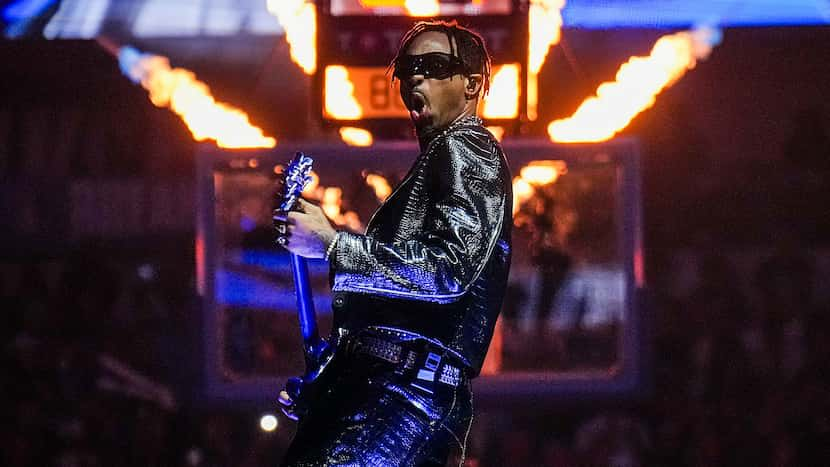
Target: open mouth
418,108
417,102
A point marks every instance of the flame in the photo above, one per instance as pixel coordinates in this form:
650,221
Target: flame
179,90
332,197
331,202
544,29
310,189
381,186
356,136
498,132
542,172
522,191
503,99
536,173
340,102
636,87
422,7
299,20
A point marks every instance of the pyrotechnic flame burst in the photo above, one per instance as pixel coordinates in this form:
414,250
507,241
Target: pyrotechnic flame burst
299,20
179,90
544,30
637,84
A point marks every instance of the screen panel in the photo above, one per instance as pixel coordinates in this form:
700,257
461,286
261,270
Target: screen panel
352,93
567,289
570,324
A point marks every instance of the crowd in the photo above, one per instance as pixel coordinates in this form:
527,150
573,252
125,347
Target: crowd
101,352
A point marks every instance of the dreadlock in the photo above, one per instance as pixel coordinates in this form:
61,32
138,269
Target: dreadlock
465,44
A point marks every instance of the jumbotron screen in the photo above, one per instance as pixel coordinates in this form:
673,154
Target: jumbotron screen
569,321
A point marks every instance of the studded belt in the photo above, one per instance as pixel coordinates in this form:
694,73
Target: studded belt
425,363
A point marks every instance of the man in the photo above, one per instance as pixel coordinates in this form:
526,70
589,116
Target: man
415,299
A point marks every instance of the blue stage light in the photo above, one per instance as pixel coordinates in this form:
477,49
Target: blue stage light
607,14
22,16
24,9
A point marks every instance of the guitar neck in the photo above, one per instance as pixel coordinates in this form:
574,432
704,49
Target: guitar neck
305,305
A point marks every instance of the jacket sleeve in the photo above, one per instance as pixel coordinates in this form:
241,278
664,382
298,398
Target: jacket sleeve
460,231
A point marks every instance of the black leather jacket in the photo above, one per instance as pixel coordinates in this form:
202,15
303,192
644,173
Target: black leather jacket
435,257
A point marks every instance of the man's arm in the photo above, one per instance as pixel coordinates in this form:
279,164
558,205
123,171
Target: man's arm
462,228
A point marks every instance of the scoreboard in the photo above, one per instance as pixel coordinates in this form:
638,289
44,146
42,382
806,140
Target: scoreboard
357,40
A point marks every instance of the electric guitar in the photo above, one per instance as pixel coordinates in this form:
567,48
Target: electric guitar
317,352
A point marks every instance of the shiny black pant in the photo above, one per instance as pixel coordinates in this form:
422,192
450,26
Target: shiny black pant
370,417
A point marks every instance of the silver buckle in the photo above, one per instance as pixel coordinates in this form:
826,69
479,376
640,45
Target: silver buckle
380,348
450,375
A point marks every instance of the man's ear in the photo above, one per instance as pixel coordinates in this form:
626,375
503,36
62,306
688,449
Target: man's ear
473,85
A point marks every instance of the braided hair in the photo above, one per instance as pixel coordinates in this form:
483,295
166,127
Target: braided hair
465,44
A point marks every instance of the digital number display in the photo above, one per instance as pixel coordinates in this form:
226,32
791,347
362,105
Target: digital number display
359,93
367,87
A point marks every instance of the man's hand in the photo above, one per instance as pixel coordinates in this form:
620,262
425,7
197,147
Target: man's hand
306,232
290,399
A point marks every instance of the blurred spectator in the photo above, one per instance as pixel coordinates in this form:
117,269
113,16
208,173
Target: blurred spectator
737,382
809,144
613,440
785,285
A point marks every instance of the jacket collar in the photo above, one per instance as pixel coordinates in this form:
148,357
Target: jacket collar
424,140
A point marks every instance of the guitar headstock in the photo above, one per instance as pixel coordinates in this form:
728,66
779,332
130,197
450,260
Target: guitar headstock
296,176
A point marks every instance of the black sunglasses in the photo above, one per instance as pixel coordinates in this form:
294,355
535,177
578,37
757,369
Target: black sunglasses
436,65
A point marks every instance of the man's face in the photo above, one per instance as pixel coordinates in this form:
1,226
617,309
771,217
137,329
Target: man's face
432,103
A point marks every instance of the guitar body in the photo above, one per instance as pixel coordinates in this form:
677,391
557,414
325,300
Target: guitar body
316,380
